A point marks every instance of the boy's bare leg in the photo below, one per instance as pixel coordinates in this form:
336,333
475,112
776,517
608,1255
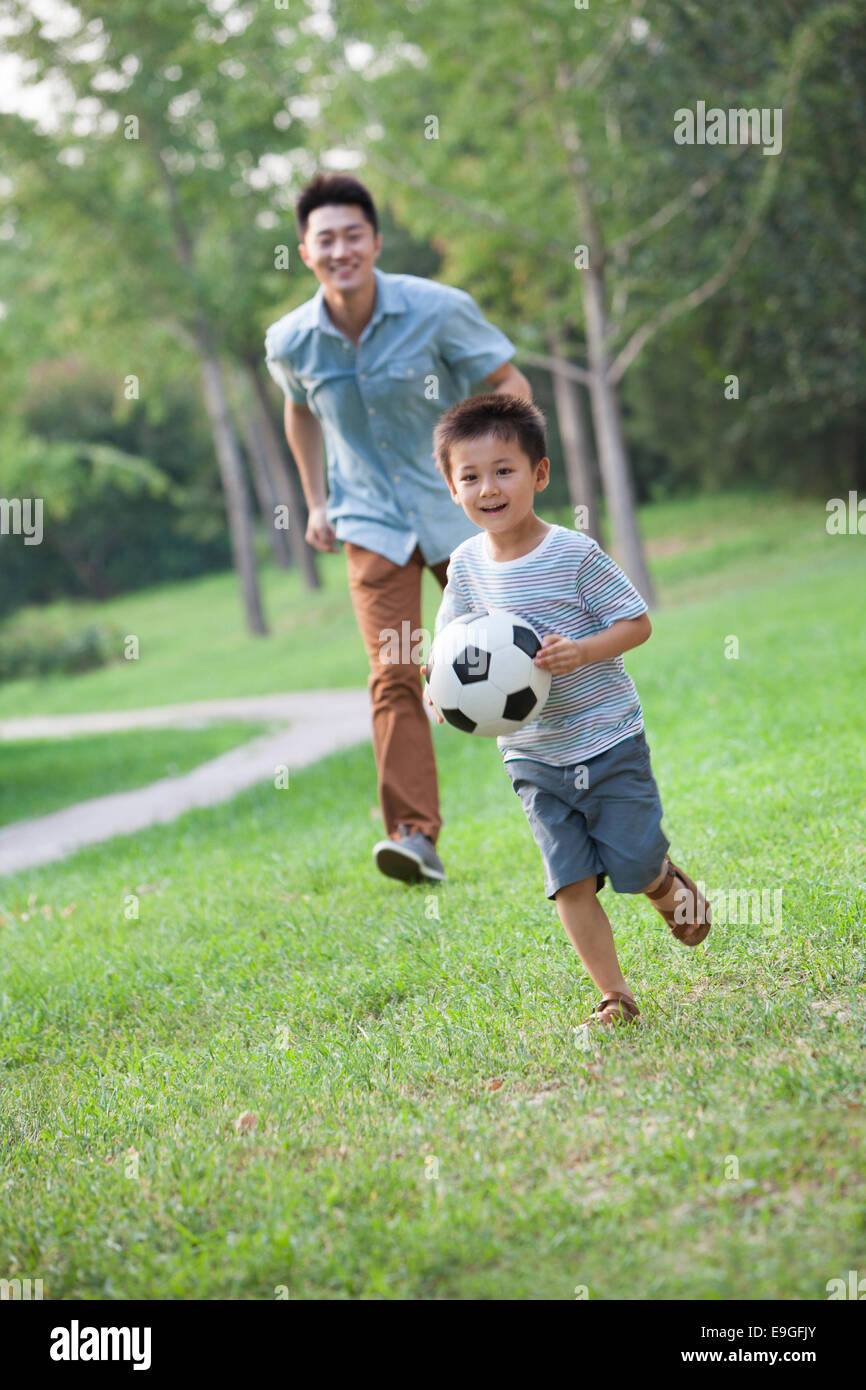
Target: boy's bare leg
696,910
668,902
588,928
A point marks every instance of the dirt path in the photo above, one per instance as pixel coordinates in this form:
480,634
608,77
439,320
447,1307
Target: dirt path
319,722
285,709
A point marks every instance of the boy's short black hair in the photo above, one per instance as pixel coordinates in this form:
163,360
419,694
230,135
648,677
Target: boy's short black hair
334,188
505,417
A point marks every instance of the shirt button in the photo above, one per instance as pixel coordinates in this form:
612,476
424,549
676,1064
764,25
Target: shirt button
411,371
383,443
371,410
410,513
363,376
396,477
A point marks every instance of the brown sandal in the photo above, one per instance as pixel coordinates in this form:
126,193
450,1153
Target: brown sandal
625,1012
699,918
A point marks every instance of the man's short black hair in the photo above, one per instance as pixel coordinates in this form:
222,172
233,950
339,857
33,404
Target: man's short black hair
505,417
334,188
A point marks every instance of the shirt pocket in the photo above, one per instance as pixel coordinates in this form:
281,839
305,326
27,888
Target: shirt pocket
411,388
414,380
413,368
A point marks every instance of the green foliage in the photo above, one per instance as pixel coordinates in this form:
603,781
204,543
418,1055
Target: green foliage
501,197
40,648
126,498
75,473
184,220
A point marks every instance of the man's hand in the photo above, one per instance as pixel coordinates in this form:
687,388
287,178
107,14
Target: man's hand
559,654
428,700
320,533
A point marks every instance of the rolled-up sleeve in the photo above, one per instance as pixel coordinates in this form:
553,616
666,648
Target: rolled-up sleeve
605,591
282,373
470,345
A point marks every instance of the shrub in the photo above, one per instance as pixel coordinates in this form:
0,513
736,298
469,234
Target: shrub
31,648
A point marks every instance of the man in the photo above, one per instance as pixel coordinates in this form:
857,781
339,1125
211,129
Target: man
370,362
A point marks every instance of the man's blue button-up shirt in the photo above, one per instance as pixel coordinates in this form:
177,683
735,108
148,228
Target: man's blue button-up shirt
422,350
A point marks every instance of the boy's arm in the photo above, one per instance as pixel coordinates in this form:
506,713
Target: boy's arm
453,604
560,654
605,592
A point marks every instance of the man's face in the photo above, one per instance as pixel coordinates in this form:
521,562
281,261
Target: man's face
340,247
494,482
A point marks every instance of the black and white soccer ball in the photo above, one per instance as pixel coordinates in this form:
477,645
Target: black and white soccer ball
481,674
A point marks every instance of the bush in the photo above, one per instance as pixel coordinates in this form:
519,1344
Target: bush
35,649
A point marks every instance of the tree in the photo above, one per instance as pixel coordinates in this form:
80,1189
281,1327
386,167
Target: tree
617,228
165,173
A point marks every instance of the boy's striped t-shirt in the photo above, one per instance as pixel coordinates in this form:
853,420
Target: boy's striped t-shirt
566,585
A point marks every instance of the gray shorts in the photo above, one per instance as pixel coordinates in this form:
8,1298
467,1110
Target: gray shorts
600,817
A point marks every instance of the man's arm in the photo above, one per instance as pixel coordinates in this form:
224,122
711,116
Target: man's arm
508,381
304,434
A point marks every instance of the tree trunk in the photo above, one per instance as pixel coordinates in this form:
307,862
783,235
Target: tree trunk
612,455
285,484
228,454
609,437
233,480
262,480
576,444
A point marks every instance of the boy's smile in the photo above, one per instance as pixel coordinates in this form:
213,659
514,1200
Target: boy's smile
495,484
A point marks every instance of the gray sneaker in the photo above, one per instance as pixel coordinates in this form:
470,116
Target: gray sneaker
411,858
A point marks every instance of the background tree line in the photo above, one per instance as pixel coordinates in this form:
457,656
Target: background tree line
142,226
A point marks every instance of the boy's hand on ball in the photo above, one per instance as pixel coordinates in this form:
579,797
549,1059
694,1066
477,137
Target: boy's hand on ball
428,698
558,654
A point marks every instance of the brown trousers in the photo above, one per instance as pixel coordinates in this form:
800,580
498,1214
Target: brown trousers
387,602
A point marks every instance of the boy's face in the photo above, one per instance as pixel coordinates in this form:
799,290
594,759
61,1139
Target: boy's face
340,247
494,482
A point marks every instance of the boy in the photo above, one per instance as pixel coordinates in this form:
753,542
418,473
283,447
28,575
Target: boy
582,769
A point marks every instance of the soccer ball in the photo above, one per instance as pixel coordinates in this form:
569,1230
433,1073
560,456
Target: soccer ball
481,674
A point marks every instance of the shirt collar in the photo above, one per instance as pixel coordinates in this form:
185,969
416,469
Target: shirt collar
389,300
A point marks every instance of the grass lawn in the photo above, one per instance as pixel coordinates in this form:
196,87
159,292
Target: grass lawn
193,645
425,1125
42,775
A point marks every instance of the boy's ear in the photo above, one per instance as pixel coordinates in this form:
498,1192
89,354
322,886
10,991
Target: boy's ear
542,474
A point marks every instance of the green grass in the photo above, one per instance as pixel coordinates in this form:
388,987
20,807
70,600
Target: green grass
42,775
426,1126
193,644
